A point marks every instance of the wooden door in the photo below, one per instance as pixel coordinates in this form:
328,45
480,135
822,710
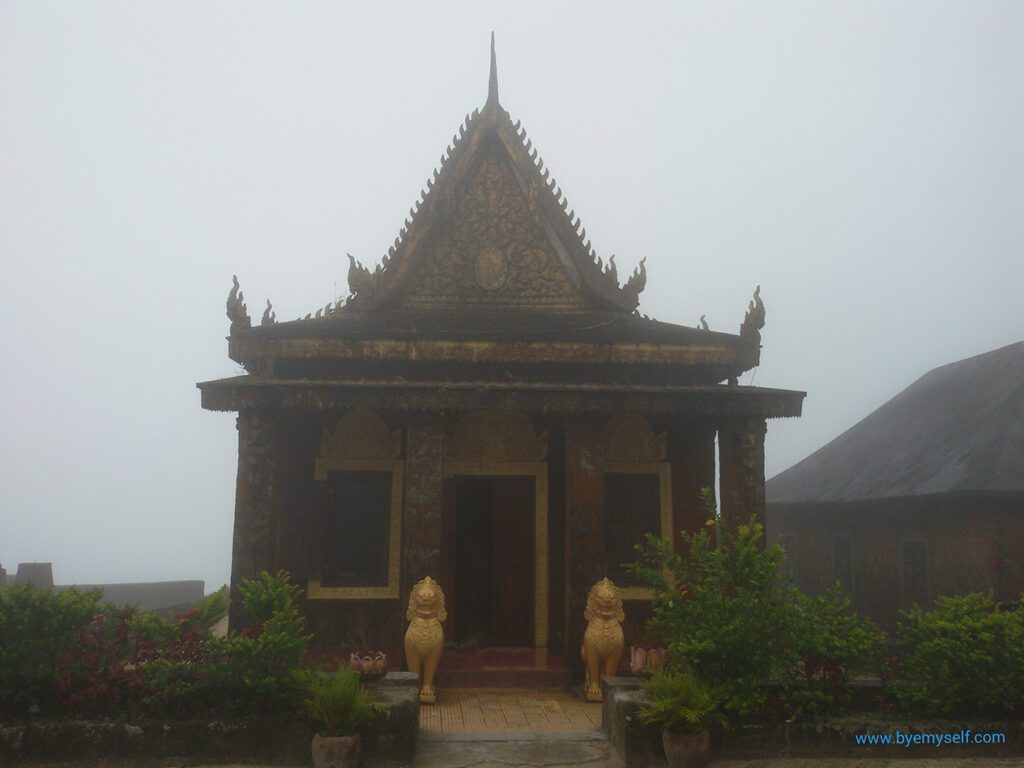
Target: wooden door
512,616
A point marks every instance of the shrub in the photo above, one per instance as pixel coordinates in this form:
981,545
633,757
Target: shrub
679,703
718,610
102,672
337,702
36,626
962,657
829,644
723,612
248,672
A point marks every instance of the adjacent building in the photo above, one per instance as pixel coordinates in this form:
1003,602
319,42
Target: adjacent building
924,497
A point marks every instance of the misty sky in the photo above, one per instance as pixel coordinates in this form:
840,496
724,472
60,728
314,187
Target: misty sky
862,161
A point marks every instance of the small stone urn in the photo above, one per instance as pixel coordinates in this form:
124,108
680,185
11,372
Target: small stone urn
336,751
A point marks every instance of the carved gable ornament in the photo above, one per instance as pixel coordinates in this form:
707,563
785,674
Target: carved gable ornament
497,436
492,228
360,435
630,439
493,249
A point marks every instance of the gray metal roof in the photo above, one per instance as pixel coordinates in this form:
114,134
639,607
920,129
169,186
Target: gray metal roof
959,427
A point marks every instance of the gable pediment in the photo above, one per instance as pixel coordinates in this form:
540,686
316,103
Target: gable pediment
493,249
492,230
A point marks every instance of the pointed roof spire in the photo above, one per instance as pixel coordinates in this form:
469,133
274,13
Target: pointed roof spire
492,83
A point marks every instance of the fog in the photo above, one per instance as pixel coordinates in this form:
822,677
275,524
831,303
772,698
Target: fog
863,162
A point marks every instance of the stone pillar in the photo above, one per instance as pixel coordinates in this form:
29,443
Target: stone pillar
256,502
423,500
741,452
584,526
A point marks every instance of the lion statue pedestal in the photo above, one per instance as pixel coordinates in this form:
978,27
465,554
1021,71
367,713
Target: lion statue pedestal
424,640
602,640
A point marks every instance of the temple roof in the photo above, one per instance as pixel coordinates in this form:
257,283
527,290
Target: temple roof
493,228
493,266
598,326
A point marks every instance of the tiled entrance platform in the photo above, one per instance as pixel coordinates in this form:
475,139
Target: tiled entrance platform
502,668
508,710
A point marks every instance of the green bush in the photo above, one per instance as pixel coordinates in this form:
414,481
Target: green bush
36,626
680,703
723,612
828,643
337,702
963,657
248,672
719,611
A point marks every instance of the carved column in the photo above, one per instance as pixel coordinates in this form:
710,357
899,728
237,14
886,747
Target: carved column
741,452
584,526
423,502
256,497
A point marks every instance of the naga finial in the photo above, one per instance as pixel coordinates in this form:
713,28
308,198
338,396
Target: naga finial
638,280
269,315
359,277
237,312
754,320
703,324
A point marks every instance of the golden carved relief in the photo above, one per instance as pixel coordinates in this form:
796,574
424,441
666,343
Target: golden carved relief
424,640
491,269
495,250
629,439
603,639
497,436
360,434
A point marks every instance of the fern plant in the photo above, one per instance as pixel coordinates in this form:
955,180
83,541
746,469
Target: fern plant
338,702
680,703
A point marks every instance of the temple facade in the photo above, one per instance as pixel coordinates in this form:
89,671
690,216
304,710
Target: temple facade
488,408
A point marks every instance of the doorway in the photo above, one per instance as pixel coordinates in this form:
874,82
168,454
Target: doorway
494,561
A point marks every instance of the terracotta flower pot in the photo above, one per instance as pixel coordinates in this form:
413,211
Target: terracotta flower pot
687,750
335,751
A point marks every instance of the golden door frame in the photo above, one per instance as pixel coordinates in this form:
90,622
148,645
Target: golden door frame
314,588
663,470
539,472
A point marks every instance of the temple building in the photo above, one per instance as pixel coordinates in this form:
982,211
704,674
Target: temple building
488,408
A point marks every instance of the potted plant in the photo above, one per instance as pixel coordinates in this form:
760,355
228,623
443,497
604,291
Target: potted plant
342,708
686,711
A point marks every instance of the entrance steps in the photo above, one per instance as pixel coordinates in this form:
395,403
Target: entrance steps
529,668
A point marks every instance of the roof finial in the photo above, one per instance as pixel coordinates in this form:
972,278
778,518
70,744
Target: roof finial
492,83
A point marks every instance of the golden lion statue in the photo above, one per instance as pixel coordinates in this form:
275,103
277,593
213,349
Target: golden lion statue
424,640
602,641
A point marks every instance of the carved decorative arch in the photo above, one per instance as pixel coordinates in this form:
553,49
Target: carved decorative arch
630,439
360,435
497,436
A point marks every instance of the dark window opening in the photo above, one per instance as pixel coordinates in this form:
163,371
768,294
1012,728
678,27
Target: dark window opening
915,572
633,509
358,526
787,568
842,563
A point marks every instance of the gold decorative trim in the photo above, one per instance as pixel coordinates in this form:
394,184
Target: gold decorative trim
314,589
664,472
539,472
360,434
497,436
629,438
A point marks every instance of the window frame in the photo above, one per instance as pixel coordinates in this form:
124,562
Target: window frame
663,471
315,590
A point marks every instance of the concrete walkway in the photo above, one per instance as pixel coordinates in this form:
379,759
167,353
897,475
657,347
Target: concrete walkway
555,750
579,753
